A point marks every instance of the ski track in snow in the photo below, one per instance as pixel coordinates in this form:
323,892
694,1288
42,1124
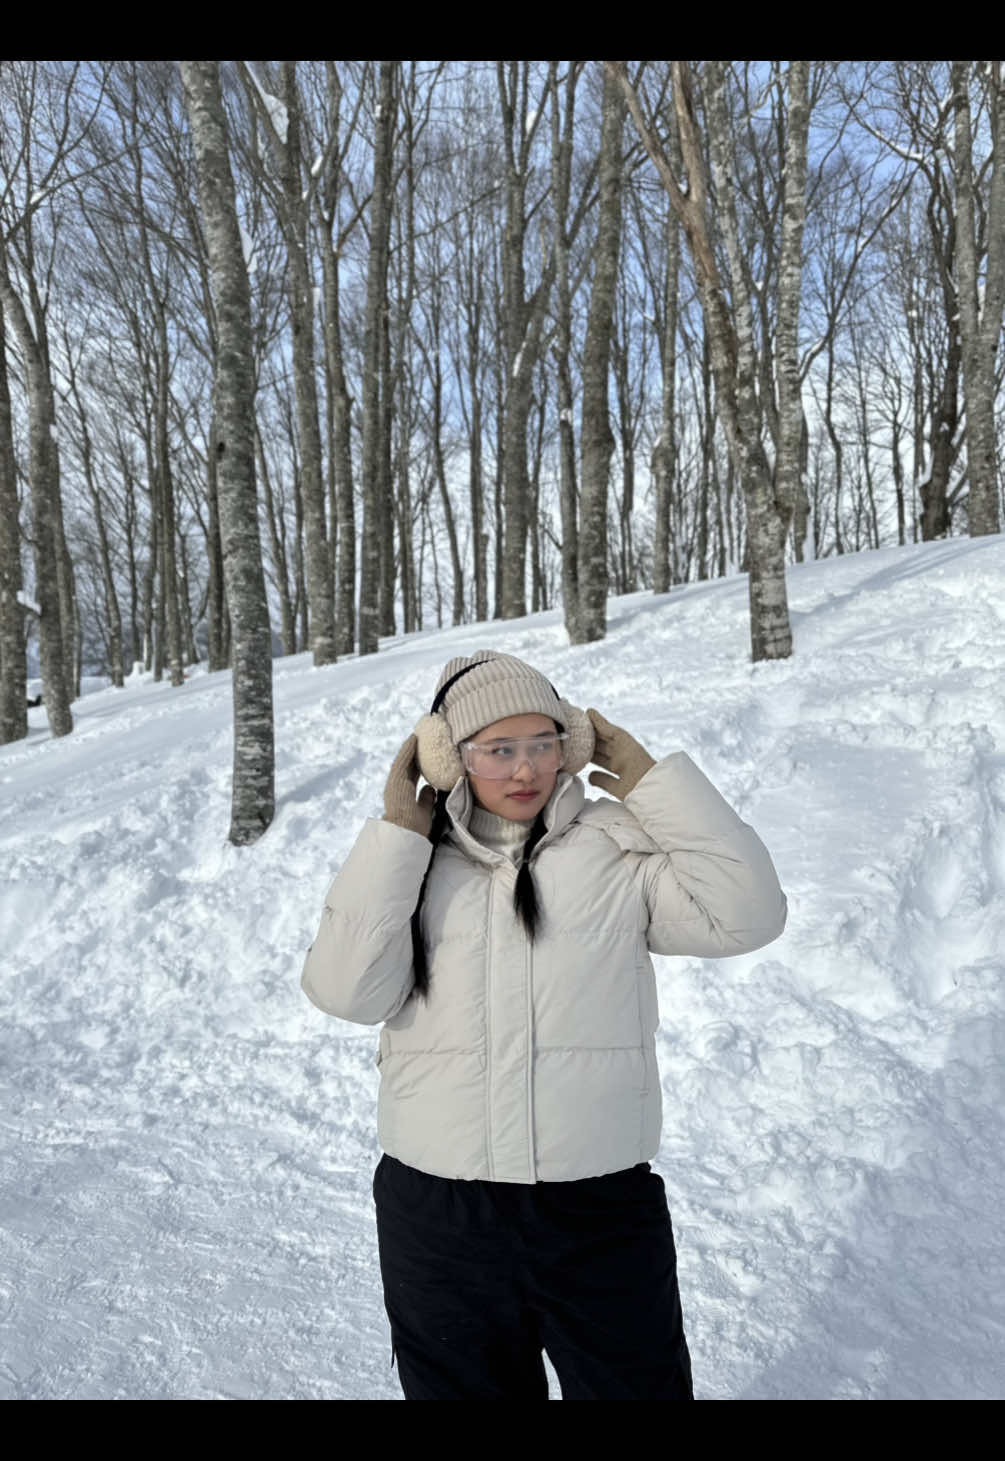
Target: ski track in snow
187,1145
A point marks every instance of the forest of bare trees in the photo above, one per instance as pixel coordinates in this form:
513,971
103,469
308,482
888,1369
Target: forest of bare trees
462,340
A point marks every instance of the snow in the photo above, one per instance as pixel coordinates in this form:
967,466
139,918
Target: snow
28,602
188,1144
247,249
278,115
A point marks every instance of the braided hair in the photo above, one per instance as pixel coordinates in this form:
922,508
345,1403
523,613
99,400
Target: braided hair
525,900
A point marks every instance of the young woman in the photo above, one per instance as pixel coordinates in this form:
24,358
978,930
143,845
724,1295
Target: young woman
499,924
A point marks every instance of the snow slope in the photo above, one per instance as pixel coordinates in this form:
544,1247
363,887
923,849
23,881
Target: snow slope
187,1144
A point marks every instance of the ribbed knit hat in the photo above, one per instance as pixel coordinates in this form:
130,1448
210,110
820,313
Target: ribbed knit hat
490,687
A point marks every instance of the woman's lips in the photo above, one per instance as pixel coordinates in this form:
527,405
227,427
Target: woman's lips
523,796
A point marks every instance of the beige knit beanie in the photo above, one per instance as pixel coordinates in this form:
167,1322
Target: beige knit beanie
490,687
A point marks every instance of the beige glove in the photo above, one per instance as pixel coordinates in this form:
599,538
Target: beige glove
621,752
400,803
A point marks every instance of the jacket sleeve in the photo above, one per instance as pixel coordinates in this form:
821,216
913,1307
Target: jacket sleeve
359,966
712,890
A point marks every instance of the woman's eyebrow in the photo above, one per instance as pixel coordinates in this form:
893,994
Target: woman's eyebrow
530,736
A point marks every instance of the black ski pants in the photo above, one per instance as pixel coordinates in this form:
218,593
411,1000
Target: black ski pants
480,1277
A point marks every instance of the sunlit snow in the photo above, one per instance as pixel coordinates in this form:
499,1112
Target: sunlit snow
188,1143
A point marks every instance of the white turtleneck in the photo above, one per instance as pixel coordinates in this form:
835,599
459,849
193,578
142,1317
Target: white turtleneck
499,834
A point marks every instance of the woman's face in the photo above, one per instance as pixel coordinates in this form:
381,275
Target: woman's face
507,798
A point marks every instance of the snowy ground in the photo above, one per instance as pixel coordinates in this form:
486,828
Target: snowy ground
187,1144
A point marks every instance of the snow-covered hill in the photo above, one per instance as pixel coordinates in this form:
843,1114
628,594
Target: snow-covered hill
187,1144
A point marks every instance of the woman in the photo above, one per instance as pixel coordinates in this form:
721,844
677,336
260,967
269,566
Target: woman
500,925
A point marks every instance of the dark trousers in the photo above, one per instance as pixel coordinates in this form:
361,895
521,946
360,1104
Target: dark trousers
480,1277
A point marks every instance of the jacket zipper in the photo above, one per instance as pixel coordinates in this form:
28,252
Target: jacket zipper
488,1025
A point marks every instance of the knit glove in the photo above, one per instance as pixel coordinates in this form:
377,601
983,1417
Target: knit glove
400,803
622,753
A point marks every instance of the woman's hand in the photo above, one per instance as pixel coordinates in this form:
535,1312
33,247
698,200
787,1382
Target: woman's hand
622,753
400,803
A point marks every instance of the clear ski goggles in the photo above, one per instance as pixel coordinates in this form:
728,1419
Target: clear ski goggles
501,759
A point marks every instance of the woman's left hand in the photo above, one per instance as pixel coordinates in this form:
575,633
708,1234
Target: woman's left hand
622,753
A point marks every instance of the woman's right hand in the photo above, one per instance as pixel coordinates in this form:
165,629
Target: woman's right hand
401,805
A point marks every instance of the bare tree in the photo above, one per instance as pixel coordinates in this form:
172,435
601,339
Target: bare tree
13,656
586,619
113,616
49,122
980,317
253,795
374,509
523,316
282,124
334,183
728,316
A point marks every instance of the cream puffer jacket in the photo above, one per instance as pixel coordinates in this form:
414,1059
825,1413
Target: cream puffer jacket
536,1062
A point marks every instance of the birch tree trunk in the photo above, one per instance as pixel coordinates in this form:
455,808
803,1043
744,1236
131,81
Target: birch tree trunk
13,650
319,578
169,582
790,404
218,650
253,796
589,621
475,485
277,541
568,491
374,515
771,636
343,530
523,321
55,637
980,320
664,462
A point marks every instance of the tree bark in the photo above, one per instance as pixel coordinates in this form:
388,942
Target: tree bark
568,489
343,531
55,636
253,798
374,511
790,274
13,640
523,320
590,620
664,460
280,568
980,321
218,654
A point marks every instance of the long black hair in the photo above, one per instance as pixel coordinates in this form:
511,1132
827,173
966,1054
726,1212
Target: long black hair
525,900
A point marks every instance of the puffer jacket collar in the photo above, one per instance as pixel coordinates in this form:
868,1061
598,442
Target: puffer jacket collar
565,803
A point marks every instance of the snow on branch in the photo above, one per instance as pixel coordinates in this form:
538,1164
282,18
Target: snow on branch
278,115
